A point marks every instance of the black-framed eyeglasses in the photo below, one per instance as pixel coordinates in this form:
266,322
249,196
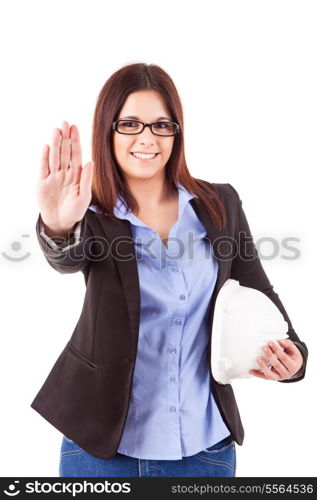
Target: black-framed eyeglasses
133,127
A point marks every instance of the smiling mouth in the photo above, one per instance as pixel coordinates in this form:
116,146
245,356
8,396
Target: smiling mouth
144,159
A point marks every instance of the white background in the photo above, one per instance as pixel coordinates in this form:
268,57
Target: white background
246,75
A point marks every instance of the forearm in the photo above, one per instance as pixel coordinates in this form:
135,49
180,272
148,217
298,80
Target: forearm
65,253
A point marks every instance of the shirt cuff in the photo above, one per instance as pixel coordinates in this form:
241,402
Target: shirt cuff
66,245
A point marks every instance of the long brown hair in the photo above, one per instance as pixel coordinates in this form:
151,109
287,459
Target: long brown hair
108,180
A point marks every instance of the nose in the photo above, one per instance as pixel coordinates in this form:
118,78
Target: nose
146,135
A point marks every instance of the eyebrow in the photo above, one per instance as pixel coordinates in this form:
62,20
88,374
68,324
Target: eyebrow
137,118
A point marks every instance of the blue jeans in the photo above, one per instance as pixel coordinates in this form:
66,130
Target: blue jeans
217,461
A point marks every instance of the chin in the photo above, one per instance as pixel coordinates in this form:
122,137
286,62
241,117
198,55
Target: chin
143,175
143,171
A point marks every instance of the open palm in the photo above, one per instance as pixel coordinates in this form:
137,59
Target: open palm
64,185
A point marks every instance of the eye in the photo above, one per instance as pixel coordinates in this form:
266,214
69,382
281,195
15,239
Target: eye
164,126
129,124
161,125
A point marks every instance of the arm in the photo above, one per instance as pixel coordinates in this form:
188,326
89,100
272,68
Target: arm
66,255
248,270
69,242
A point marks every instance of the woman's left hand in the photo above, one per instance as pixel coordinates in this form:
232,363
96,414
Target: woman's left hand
285,363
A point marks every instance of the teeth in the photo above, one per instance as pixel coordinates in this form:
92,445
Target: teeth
139,155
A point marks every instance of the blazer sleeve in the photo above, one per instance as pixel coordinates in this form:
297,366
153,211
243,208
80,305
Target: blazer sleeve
69,243
247,269
71,254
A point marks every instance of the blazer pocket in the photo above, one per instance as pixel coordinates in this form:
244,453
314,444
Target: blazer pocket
73,352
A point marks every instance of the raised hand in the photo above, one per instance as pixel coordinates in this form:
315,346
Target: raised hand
64,185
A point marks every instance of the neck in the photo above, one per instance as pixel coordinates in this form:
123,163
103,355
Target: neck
151,193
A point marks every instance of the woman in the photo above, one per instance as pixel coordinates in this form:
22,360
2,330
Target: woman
133,392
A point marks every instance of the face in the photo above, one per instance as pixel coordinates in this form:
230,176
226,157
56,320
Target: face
147,106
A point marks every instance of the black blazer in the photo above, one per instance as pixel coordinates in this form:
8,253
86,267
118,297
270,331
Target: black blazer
87,392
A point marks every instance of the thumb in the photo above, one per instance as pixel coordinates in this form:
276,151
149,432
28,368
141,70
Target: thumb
86,178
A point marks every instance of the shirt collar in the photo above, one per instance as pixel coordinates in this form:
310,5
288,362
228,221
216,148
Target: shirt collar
121,211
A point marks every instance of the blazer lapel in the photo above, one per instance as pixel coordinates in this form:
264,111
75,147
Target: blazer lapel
120,238
218,239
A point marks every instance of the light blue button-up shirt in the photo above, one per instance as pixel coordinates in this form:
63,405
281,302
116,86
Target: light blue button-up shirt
172,412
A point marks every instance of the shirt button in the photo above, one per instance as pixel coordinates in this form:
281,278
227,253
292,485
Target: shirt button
172,409
178,321
172,379
182,297
174,269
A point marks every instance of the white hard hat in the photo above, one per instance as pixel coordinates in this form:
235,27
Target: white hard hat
244,320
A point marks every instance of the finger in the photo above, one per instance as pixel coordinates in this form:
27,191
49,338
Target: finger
54,156
260,374
65,147
289,347
76,154
86,179
277,357
279,368
295,356
269,373
257,373
44,164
